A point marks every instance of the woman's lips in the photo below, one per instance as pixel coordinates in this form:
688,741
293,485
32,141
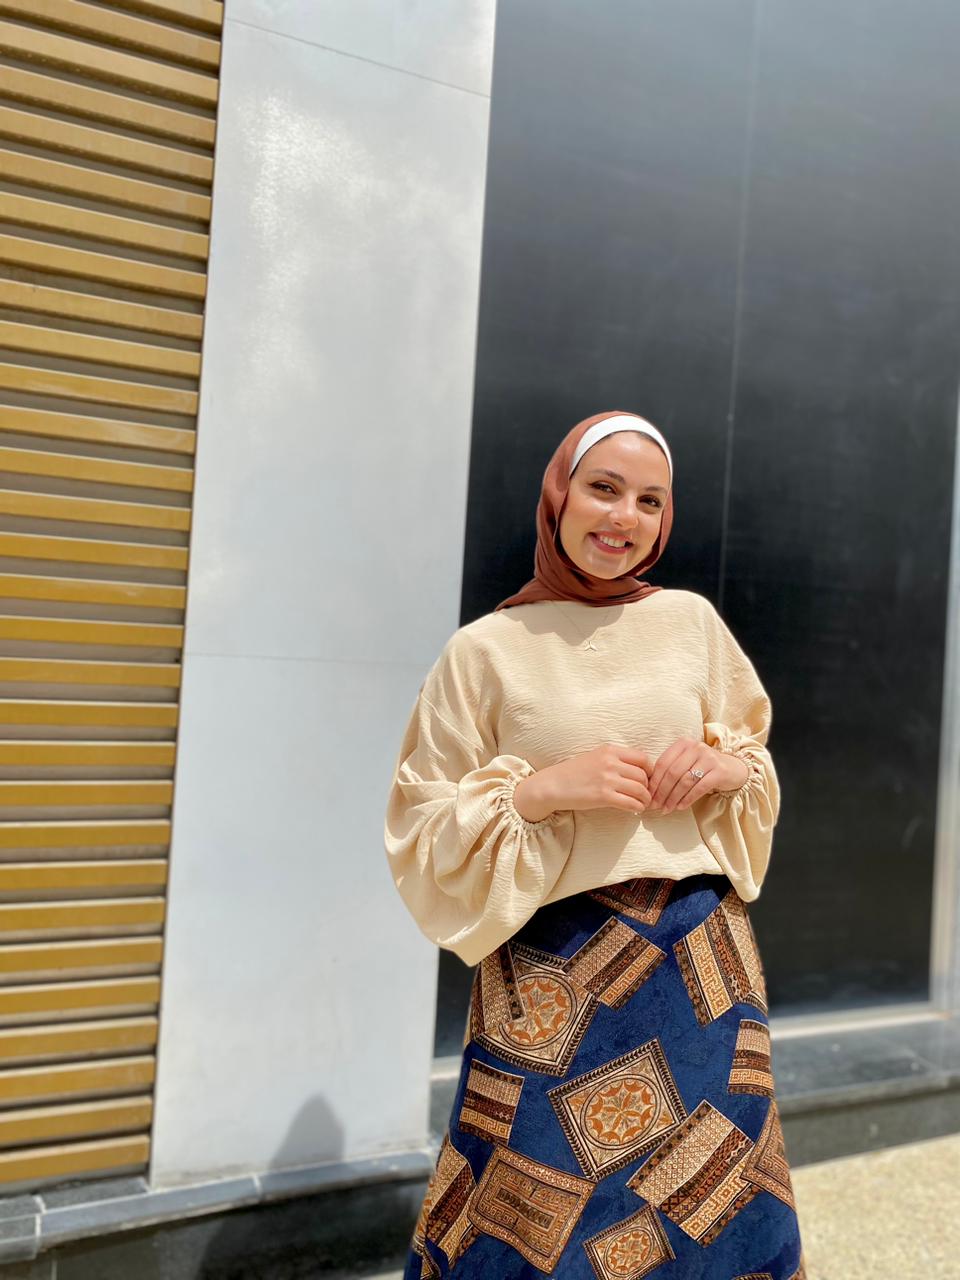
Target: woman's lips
611,551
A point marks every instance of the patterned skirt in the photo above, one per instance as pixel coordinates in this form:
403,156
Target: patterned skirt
615,1114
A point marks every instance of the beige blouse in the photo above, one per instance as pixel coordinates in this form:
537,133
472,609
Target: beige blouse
528,687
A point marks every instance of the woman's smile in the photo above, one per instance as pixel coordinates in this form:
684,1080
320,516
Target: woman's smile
605,542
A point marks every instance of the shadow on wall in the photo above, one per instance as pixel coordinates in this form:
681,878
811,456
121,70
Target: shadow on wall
305,1236
294,1239
286,1238
314,1137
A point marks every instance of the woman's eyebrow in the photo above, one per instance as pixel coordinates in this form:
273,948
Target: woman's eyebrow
615,475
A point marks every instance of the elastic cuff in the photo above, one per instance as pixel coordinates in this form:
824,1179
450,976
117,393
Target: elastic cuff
755,777
506,796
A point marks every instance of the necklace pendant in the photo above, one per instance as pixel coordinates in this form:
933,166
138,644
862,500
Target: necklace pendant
591,645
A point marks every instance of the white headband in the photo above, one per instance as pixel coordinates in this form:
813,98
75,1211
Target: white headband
622,422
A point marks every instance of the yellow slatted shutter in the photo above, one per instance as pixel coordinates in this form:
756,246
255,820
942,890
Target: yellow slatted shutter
107,117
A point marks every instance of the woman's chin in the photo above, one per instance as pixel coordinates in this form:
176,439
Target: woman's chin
596,564
604,572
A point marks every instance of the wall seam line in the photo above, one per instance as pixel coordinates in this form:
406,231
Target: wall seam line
359,57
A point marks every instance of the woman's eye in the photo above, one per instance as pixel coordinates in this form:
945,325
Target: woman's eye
603,487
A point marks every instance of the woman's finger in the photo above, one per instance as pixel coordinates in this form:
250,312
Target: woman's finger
682,756
703,788
686,783
639,759
635,773
628,797
662,768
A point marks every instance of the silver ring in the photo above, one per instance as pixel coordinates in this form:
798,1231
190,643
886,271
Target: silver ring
697,773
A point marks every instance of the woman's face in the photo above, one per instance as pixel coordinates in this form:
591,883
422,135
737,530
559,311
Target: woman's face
617,493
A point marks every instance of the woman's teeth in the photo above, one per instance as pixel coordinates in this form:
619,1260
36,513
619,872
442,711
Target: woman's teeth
610,544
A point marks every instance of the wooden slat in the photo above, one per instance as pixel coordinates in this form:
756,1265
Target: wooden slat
204,14
98,63
36,546
120,1075
112,188
73,753
77,997
99,953
26,296
111,107
23,295
68,345
160,675
134,515
127,792
115,833
95,791
36,711
82,1119
142,595
113,914
114,27
104,1156
83,386
59,259
109,1036
71,219
98,144
115,873
150,635
140,475
72,426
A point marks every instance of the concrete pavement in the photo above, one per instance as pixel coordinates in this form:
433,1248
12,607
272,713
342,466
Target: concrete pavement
886,1215
889,1215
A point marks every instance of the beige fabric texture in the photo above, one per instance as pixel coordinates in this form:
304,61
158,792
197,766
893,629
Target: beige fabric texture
518,690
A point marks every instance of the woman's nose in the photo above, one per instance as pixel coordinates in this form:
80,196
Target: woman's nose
625,514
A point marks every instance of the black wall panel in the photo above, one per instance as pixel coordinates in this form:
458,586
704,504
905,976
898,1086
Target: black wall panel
842,475
741,221
617,144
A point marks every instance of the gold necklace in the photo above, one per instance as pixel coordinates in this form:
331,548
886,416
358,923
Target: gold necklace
588,639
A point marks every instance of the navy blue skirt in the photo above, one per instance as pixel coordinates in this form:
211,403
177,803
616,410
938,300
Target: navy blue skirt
615,1114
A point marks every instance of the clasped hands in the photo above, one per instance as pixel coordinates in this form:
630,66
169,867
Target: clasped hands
613,776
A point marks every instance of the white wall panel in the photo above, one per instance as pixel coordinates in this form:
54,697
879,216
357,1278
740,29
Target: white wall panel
338,355
325,576
295,988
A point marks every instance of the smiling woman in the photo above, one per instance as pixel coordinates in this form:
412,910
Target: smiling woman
609,523
583,804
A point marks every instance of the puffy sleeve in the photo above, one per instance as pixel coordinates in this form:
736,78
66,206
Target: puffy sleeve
470,869
737,826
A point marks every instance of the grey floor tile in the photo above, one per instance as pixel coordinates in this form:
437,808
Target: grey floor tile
861,1061
890,1215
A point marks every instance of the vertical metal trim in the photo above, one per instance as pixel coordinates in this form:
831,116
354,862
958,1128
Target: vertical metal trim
944,940
746,170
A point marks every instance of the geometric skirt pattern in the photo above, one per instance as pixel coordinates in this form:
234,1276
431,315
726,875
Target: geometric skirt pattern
615,1116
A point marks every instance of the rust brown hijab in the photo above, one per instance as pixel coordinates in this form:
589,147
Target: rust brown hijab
556,577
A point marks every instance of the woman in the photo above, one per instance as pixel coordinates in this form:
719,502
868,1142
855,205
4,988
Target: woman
582,805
